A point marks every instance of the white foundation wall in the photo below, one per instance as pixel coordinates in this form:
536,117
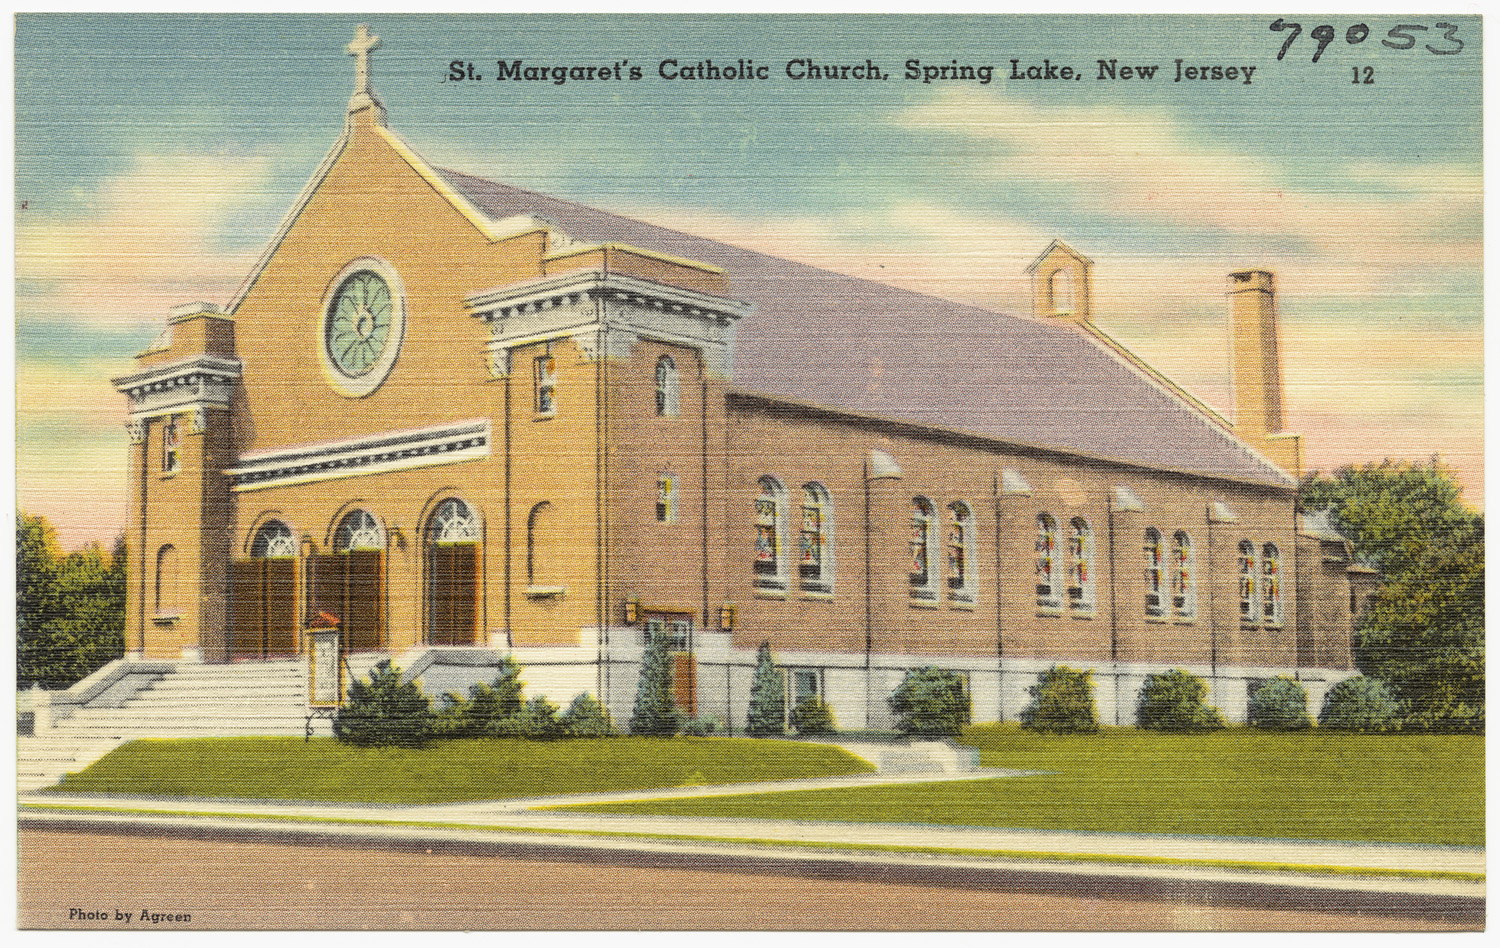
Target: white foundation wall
858,693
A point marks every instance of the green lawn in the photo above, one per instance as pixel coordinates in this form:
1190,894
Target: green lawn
286,768
1412,789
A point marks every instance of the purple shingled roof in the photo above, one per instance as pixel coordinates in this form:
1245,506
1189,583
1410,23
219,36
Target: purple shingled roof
869,348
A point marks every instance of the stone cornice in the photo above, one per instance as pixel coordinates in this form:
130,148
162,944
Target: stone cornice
370,454
554,291
187,385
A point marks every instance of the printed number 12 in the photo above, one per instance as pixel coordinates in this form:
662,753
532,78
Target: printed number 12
1364,75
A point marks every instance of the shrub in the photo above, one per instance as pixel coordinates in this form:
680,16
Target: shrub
812,716
655,713
538,720
767,697
705,725
586,717
931,701
1173,701
486,708
1062,702
1359,704
384,711
1280,704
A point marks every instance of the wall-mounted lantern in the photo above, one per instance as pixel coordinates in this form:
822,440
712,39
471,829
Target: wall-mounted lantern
632,611
726,617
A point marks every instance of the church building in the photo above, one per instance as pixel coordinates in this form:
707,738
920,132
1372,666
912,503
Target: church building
457,420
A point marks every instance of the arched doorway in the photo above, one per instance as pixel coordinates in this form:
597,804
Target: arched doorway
451,542
349,583
264,620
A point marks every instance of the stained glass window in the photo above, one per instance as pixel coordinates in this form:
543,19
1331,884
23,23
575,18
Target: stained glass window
960,552
814,565
923,582
358,531
1184,580
1249,600
1270,583
171,448
1080,565
1046,562
1152,548
769,572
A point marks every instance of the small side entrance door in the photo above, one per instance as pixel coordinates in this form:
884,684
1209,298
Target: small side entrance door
677,628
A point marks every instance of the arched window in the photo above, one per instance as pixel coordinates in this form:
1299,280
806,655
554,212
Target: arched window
770,513
1081,566
171,447
1152,547
1046,562
1063,289
166,582
1184,577
815,553
1249,583
1270,583
923,540
359,530
453,534
666,387
538,560
961,582
273,540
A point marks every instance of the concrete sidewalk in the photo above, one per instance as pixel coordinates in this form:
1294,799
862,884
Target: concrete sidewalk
1365,867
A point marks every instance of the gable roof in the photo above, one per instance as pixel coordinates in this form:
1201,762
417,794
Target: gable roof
874,349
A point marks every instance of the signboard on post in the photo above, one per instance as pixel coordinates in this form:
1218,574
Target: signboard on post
325,685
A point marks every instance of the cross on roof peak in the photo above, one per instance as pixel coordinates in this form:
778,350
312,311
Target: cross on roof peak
360,49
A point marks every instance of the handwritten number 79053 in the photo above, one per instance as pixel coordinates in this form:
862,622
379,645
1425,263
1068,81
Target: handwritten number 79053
1397,37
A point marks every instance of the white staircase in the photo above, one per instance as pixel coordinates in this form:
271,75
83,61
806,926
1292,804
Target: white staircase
194,700
42,761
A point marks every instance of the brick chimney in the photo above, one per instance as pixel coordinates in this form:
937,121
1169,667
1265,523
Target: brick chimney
1255,368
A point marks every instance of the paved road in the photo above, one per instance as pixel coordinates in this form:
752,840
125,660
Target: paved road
247,879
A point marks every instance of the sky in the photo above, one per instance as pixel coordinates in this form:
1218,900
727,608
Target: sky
155,157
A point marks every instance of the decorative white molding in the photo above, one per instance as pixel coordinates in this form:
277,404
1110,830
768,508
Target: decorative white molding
190,385
137,431
197,420
373,454
587,303
1125,500
1219,512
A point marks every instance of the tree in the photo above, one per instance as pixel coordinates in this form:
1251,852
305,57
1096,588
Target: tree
1359,704
655,713
767,697
932,702
1423,631
1062,702
70,610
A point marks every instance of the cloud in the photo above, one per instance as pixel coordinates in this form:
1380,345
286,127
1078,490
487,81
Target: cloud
143,241
1389,218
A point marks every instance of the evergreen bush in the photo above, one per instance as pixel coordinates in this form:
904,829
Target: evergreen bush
1174,701
704,725
586,717
767,697
812,716
931,701
1360,704
384,711
1062,702
487,708
1280,704
655,713
538,720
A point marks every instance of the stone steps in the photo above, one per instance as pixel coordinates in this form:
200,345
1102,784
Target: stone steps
43,761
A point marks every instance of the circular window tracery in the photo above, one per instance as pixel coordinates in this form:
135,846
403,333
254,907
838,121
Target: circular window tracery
453,522
359,530
361,327
273,540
